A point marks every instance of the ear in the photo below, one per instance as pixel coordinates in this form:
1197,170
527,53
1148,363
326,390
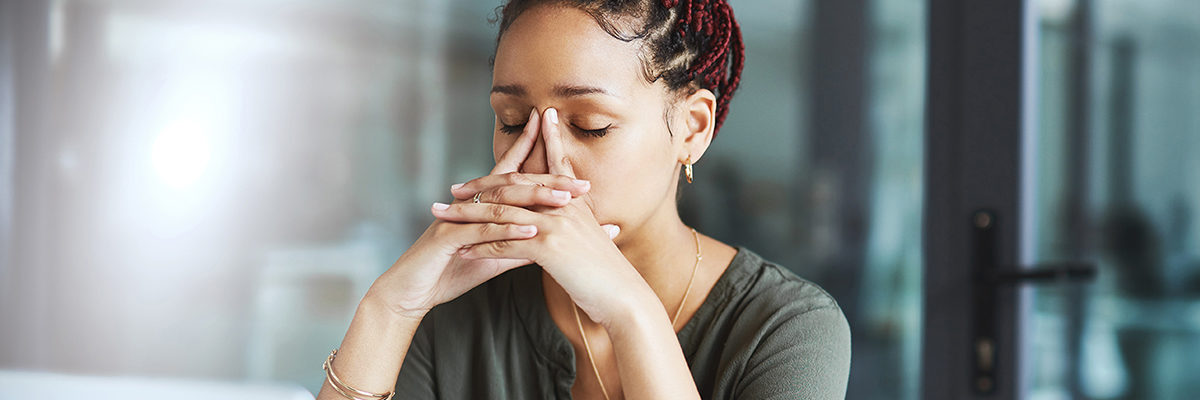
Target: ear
700,115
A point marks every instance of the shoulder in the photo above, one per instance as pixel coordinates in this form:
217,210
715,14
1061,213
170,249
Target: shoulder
796,338
781,296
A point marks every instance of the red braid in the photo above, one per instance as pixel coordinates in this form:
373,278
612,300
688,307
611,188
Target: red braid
704,30
718,66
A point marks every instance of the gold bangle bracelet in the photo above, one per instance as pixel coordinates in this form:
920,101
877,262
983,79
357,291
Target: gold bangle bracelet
342,388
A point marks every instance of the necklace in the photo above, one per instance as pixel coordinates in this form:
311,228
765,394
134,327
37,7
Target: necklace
674,319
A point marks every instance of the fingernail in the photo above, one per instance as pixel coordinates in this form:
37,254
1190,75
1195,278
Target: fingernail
456,186
527,229
552,115
440,206
612,230
561,194
582,182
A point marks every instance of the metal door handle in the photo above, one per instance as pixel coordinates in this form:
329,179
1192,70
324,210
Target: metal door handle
990,278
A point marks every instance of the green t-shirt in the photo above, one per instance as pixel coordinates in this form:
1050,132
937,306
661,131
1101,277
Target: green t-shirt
762,333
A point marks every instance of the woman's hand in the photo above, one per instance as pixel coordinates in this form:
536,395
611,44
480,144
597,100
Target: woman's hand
432,271
571,245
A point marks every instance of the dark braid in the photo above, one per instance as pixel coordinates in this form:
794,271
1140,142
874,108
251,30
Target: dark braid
689,43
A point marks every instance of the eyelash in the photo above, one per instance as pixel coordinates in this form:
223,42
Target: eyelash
513,129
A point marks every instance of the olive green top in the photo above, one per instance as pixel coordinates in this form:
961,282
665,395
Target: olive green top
762,333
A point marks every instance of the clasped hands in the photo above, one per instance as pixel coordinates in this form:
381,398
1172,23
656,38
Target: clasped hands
547,219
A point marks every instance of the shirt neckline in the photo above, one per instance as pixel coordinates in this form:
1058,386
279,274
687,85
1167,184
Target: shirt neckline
552,345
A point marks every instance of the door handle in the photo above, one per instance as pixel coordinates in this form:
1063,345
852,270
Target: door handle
990,278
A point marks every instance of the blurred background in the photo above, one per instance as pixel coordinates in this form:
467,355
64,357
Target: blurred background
202,191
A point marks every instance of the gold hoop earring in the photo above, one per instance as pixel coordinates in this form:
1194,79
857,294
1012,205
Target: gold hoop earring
687,169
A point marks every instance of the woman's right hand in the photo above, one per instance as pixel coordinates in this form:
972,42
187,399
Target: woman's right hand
431,272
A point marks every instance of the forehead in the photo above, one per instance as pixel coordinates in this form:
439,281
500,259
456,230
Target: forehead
556,45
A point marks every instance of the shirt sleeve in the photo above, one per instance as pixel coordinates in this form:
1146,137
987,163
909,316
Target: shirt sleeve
416,379
805,356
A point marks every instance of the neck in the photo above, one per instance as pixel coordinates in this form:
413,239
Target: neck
663,250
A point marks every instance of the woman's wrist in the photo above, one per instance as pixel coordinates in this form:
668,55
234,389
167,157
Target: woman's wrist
376,307
374,348
639,314
648,351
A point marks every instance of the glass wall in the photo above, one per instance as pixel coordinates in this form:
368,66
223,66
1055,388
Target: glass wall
205,189
1118,184
891,288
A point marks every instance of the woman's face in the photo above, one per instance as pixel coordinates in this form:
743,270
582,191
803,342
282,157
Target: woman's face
612,118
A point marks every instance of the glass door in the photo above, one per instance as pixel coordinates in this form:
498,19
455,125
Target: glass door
1062,179
1116,182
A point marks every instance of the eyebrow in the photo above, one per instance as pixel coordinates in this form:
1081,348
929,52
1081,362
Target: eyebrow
559,91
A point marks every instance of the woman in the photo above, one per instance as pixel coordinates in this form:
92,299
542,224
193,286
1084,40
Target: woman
567,272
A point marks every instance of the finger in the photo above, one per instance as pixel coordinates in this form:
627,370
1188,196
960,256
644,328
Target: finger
486,269
467,235
468,189
525,195
489,268
486,212
556,155
497,249
513,158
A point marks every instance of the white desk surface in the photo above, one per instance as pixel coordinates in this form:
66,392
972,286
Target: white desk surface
52,386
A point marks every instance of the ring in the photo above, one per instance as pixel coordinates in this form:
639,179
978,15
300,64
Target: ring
476,198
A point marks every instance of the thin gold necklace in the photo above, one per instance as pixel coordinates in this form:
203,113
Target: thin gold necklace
674,319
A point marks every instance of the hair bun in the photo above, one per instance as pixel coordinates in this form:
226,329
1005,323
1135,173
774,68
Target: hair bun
718,66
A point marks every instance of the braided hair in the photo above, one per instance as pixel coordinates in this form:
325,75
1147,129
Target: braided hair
689,44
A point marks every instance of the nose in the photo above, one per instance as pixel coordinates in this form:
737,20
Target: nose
535,163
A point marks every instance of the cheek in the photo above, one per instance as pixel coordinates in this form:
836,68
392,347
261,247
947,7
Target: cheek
625,195
627,180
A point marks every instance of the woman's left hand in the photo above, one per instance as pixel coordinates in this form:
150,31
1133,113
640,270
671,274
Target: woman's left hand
570,245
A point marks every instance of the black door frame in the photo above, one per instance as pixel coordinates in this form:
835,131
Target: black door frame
980,111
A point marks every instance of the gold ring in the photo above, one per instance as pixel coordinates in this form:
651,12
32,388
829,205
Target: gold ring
476,198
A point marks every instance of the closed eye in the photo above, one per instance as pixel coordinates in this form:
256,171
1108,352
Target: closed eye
594,132
511,129
514,129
